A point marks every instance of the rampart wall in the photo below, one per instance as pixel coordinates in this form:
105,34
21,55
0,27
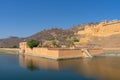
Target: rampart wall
55,53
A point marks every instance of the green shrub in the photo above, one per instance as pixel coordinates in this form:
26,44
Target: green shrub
50,39
76,40
54,42
15,46
33,43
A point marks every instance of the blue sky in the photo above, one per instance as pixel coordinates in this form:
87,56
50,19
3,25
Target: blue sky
25,17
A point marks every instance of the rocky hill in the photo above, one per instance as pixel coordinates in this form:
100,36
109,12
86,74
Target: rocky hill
62,36
11,42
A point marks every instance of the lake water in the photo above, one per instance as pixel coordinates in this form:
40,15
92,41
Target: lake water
33,68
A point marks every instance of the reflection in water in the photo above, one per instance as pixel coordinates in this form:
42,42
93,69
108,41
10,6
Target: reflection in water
104,68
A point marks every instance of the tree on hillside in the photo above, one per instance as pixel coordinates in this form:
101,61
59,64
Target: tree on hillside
33,43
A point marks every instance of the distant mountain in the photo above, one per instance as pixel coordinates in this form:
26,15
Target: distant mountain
63,36
11,42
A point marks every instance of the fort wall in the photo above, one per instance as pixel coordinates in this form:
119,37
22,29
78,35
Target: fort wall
54,53
103,29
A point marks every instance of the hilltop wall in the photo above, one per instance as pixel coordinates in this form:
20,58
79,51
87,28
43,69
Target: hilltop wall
103,29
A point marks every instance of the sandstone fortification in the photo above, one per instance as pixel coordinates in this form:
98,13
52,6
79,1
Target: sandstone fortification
104,29
106,34
56,53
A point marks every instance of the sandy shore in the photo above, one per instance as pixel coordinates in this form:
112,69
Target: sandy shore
9,50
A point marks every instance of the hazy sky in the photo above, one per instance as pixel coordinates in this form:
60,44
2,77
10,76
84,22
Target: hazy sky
25,17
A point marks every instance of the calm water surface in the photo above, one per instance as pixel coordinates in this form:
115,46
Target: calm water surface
33,68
